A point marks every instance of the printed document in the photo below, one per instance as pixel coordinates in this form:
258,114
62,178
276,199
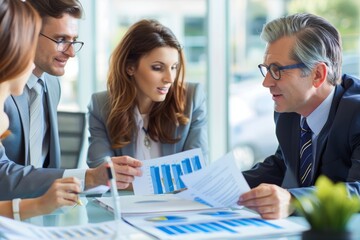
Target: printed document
11,229
223,224
162,175
217,185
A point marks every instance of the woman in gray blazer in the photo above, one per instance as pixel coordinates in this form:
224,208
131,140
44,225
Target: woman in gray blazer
148,110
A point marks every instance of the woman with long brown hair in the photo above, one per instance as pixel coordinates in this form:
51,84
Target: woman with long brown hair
148,110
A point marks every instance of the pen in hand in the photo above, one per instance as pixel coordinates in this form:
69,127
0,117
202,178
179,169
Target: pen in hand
79,202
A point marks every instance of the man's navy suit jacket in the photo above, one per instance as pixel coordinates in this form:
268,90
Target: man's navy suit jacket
338,146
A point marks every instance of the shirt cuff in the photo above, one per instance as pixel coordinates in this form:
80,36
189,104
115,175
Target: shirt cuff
78,173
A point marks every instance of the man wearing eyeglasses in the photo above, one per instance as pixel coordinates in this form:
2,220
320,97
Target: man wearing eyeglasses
317,115
32,159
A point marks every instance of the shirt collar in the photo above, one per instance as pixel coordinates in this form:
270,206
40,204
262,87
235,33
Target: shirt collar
140,119
33,80
317,119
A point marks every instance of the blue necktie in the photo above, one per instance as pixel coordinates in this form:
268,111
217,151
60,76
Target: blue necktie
306,155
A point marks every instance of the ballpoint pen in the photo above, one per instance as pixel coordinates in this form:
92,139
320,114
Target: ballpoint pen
114,193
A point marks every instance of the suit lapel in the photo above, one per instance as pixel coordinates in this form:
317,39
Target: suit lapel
324,133
23,106
288,136
167,149
295,146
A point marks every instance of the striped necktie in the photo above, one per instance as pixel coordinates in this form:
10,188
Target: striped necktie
306,155
36,125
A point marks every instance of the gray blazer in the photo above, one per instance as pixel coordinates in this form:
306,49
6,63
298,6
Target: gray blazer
17,177
193,134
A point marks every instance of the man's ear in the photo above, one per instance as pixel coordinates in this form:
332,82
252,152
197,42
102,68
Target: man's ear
320,74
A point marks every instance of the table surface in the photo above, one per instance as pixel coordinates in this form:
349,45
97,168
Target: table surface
92,212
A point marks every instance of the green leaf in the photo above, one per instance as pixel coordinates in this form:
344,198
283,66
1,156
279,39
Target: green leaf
330,207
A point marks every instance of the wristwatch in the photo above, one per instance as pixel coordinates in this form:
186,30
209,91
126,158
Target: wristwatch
16,208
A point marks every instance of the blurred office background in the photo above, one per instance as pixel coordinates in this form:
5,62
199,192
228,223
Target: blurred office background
222,47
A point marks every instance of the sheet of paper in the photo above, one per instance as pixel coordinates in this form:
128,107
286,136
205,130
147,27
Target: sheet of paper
101,189
213,225
218,185
162,175
22,230
149,204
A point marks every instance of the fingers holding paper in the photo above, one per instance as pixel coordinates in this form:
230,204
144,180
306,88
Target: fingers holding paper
269,200
63,192
126,169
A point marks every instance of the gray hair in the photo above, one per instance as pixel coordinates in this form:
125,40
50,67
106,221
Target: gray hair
316,41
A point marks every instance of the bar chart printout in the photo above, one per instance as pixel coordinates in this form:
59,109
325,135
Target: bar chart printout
162,175
214,225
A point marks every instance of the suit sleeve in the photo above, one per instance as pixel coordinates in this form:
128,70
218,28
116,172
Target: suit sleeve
271,171
18,181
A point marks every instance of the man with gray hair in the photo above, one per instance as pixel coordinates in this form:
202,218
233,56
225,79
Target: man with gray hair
317,115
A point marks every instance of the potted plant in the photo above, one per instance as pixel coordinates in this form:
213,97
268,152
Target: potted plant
328,210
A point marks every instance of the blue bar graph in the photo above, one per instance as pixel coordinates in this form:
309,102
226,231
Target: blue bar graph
155,177
165,178
186,165
229,226
177,172
196,163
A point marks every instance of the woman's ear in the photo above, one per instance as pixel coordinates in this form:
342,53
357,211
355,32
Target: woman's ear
320,74
130,70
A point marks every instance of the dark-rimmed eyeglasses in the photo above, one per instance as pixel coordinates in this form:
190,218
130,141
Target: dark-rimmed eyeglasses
63,45
275,70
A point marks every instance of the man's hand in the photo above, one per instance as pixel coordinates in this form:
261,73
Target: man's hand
269,200
126,168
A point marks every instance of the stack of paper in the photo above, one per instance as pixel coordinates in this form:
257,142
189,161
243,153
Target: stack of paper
204,211
152,204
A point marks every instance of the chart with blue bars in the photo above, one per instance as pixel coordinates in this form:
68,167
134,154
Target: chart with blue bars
166,177
163,175
220,224
228,226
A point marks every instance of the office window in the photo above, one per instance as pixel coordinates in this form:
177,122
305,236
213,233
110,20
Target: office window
248,114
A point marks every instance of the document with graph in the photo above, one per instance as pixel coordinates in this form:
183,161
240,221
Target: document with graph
218,185
221,224
11,229
162,175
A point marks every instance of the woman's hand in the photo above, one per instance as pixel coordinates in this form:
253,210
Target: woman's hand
63,192
125,167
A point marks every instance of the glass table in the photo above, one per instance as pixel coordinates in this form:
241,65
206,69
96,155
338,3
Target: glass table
92,212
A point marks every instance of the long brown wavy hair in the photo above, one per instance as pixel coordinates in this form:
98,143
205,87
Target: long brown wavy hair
164,117
19,30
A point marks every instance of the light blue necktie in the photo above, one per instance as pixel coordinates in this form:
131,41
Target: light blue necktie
36,124
306,155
